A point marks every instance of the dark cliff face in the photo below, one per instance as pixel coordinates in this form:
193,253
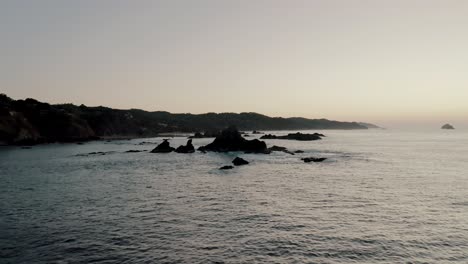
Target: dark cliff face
30,121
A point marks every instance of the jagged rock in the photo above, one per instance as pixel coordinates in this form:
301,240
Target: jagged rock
296,136
187,148
231,140
239,161
226,168
447,126
164,147
312,159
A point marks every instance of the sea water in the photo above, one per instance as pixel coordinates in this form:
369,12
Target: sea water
382,196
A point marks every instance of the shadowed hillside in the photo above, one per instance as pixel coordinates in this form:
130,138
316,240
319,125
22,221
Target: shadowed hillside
30,121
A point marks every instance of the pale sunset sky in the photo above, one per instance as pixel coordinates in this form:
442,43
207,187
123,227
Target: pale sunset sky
392,63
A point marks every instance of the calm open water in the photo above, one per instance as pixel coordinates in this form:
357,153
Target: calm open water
382,197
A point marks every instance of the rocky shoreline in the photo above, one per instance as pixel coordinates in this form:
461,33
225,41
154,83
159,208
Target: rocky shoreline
30,122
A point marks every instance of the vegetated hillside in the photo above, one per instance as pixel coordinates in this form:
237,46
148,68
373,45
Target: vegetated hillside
30,121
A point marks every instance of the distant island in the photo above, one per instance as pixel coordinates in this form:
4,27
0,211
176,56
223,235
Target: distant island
447,126
30,122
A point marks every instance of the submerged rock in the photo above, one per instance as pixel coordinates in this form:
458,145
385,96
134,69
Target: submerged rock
146,143
188,148
239,161
447,126
282,149
134,151
231,140
299,151
95,153
312,159
296,136
164,147
226,167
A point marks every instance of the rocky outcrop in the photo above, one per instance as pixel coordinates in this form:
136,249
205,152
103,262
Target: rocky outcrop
226,168
296,136
447,126
188,148
231,140
239,161
312,159
164,147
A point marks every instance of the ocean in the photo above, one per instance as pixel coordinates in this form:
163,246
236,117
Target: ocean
382,196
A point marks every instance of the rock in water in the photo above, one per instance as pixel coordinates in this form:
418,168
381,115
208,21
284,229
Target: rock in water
231,140
447,126
164,147
239,161
187,148
134,151
278,148
296,136
226,168
312,159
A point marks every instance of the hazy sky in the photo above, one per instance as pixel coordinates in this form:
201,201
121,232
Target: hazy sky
388,62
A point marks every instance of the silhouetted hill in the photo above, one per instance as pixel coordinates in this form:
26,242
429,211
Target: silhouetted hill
30,121
368,125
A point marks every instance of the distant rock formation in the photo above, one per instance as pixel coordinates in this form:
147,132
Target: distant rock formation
231,140
296,136
239,161
226,168
312,159
164,147
187,148
206,134
447,126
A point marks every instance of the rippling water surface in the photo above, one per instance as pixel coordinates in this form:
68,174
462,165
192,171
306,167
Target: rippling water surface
381,197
